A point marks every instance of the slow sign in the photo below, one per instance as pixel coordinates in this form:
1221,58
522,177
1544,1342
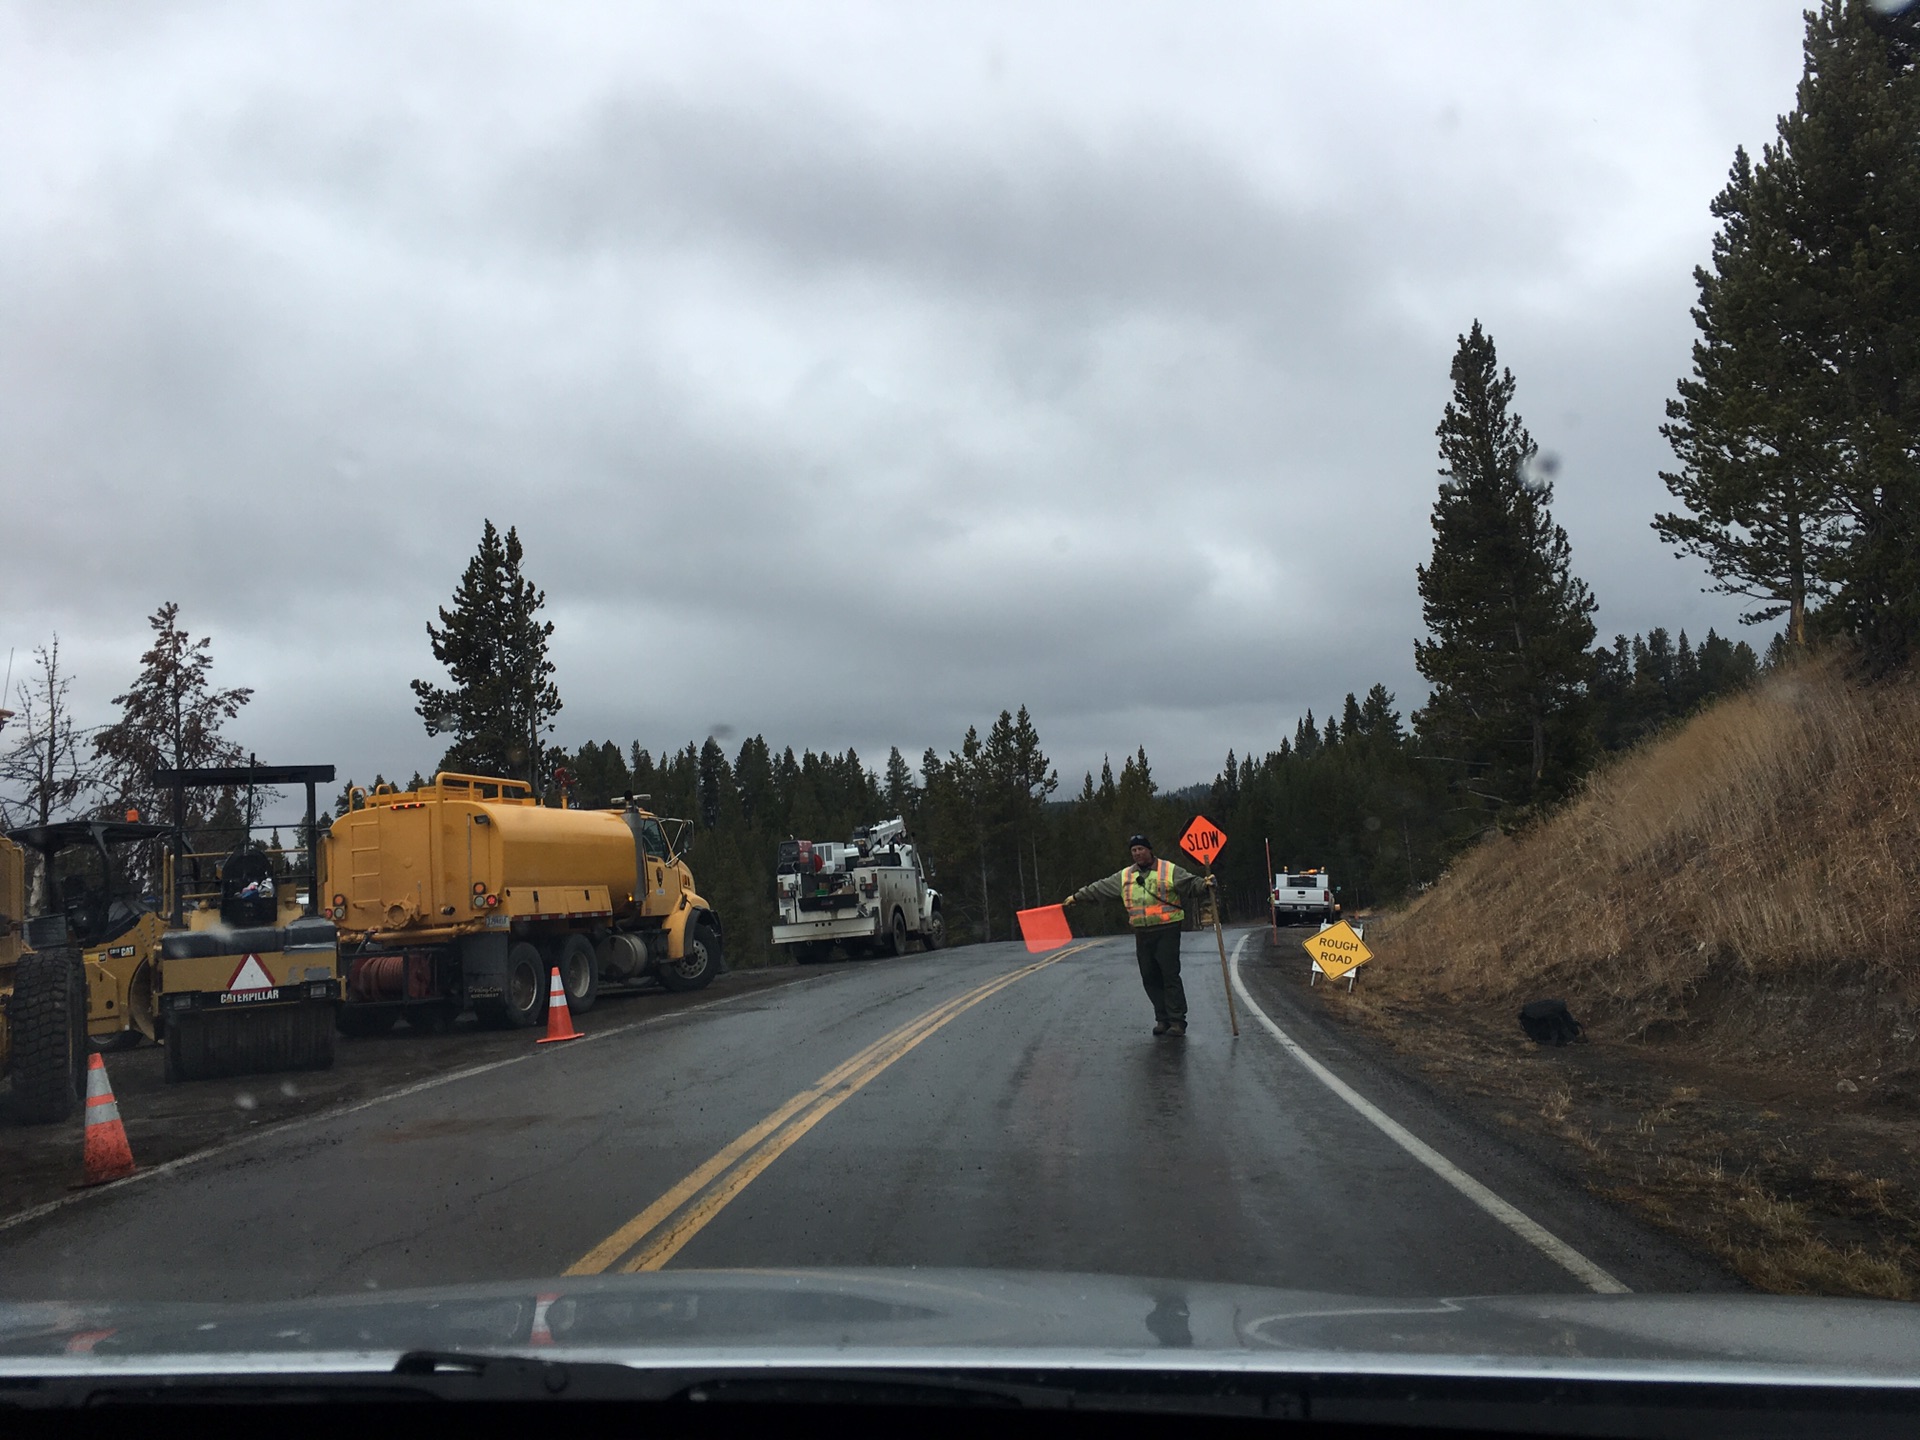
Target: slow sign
1203,840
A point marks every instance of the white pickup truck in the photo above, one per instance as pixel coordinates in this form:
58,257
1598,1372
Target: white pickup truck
1305,897
870,892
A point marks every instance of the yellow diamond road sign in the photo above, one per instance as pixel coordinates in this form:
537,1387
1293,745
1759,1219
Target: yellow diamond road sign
1337,950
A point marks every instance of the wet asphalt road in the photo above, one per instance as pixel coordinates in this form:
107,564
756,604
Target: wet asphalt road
938,1110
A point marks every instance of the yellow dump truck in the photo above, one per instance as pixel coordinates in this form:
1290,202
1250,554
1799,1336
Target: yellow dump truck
249,968
467,892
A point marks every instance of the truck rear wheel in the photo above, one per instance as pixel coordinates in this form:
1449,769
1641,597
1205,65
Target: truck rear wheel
579,973
523,1003
47,1015
696,968
897,935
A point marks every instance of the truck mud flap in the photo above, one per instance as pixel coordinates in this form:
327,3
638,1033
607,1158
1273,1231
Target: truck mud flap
483,967
205,1045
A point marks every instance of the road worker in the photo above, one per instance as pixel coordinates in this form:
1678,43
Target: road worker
1150,888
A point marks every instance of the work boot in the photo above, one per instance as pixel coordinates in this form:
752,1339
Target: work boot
1176,1028
1160,1027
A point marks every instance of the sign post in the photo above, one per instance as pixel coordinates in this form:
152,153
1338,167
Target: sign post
1273,911
1203,841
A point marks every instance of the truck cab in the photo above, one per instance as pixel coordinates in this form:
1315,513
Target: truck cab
871,891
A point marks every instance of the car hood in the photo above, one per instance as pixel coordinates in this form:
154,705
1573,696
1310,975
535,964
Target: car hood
965,1318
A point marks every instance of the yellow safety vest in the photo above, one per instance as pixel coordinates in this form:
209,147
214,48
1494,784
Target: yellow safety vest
1150,899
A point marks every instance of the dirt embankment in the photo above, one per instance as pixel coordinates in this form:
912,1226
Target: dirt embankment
1734,912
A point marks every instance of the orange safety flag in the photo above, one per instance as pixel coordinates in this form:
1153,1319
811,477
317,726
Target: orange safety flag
1045,928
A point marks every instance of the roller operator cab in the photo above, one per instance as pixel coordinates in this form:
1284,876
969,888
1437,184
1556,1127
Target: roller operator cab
467,892
250,973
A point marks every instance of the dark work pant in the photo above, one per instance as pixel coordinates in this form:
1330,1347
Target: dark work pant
1158,949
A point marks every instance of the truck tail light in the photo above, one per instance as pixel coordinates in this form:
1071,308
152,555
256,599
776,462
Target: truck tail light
492,901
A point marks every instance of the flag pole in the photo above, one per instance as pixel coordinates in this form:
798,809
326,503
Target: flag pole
1273,915
1221,940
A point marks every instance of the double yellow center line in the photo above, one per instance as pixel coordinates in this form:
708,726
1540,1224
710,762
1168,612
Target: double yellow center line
659,1232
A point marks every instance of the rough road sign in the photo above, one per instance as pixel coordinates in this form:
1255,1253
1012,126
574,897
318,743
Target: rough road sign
1203,840
1336,950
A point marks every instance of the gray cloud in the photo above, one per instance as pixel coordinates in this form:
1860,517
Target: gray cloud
1091,370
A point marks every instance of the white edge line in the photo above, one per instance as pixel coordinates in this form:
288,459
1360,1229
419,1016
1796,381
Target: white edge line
1521,1224
172,1167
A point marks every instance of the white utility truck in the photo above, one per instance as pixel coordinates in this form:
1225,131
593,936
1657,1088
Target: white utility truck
870,892
1304,897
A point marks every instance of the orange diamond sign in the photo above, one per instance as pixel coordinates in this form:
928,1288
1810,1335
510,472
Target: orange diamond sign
1203,840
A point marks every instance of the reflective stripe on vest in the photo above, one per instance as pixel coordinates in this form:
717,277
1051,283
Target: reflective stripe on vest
1149,898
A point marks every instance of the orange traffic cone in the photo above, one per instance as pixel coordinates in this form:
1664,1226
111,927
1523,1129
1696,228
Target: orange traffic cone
542,1332
107,1156
559,1018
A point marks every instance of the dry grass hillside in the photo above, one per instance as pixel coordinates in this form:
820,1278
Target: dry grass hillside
1768,848
1733,909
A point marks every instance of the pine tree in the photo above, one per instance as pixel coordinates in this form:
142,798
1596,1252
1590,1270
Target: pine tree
1799,431
503,700
1032,779
599,775
902,794
1755,473
1378,719
718,797
170,718
1510,623
640,767
1852,144
753,774
1306,737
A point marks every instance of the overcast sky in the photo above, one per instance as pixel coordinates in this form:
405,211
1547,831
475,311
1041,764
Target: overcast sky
851,371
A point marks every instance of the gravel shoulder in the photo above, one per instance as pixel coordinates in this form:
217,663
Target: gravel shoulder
1777,1173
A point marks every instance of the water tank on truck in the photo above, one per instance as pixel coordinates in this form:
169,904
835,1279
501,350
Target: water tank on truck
466,892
